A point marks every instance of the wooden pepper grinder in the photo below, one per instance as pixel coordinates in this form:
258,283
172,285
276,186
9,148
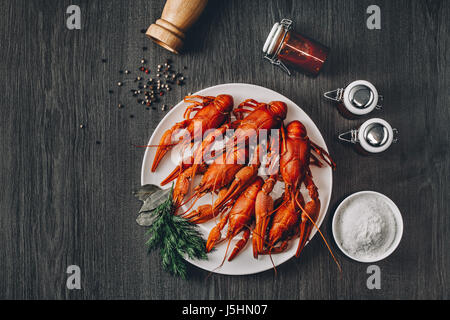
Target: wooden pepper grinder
178,16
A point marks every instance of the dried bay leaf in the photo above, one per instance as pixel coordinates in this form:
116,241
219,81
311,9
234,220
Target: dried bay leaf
146,219
152,197
143,192
155,200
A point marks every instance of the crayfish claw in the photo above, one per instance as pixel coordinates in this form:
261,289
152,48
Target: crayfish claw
213,238
201,215
215,234
172,176
240,244
165,144
264,206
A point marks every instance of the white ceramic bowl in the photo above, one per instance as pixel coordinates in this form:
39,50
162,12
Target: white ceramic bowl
396,215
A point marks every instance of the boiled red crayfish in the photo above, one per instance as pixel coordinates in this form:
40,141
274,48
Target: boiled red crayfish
279,223
226,167
211,113
239,219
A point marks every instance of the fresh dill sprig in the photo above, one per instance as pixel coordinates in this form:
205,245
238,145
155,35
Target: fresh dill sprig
175,237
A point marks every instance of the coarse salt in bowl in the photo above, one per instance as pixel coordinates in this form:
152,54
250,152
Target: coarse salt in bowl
367,226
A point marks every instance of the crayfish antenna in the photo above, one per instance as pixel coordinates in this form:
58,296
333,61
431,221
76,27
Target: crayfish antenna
154,145
273,264
189,199
192,205
321,234
226,253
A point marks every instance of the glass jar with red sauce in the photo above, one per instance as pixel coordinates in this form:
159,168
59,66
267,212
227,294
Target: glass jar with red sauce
287,48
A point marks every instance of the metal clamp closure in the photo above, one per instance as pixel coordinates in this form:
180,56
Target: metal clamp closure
380,99
287,25
396,134
335,95
353,136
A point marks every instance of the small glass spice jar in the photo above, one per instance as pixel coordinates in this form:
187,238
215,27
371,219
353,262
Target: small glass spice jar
359,98
287,48
374,136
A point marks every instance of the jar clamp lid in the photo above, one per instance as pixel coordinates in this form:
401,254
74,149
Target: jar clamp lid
359,97
270,49
375,135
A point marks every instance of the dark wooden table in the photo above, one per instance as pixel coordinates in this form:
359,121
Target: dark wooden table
66,191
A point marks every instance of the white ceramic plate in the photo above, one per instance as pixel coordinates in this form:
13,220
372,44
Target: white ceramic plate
244,263
397,218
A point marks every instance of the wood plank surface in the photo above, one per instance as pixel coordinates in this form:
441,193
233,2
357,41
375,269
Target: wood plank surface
67,199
